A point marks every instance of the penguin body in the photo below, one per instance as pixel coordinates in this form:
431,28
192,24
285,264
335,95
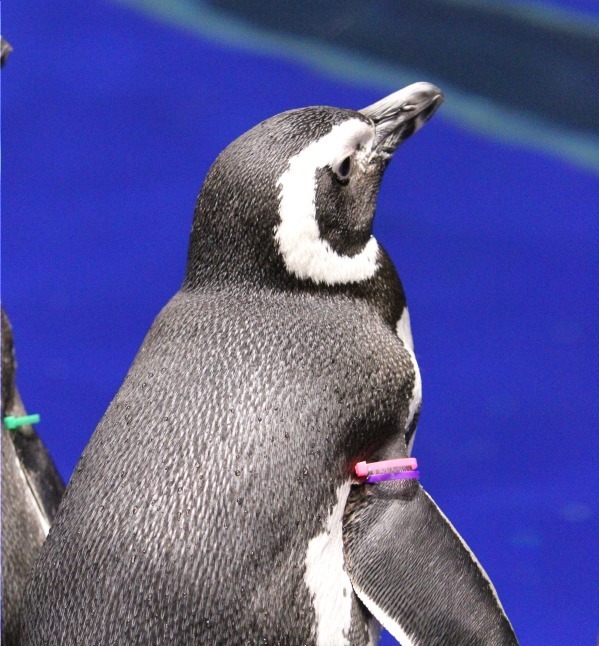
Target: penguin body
211,504
31,492
31,485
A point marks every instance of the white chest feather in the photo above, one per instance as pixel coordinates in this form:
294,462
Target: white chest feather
404,332
327,580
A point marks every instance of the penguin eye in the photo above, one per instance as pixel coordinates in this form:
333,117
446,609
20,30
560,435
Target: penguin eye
344,169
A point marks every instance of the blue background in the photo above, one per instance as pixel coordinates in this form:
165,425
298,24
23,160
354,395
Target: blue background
110,120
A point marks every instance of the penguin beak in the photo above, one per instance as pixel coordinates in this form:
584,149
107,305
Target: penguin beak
399,115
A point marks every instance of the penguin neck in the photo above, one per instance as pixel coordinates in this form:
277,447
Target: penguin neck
212,264
233,248
232,254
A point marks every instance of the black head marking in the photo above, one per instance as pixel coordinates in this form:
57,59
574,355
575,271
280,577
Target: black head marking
238,207
291,202
345,209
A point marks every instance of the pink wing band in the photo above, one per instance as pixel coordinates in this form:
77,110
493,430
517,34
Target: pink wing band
365,468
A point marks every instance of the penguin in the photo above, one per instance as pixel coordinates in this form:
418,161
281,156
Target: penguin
31,492
31,485
216,501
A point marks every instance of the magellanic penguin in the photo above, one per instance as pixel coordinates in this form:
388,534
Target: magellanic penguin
31,485
31,493
216,501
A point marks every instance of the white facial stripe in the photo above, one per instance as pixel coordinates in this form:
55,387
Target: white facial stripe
304,252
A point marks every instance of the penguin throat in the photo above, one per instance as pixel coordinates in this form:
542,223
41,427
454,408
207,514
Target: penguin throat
305,253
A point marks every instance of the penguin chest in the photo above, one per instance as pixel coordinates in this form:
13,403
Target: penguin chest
327,580
404,332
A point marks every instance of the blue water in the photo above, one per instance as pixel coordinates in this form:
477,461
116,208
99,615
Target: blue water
110,121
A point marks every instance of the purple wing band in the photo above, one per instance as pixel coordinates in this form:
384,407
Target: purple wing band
394,475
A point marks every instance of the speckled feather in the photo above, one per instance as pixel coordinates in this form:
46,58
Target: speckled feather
31,492
189,514
197,494
211,487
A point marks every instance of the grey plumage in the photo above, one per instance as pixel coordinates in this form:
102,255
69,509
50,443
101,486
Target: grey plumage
192,512
31,492
31,485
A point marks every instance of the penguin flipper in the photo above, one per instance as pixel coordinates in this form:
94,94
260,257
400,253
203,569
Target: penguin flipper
413,571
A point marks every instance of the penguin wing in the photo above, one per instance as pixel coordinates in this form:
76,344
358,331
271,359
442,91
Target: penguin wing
36,471
414,572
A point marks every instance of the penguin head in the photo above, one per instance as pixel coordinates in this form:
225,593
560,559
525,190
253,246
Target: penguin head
293,199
